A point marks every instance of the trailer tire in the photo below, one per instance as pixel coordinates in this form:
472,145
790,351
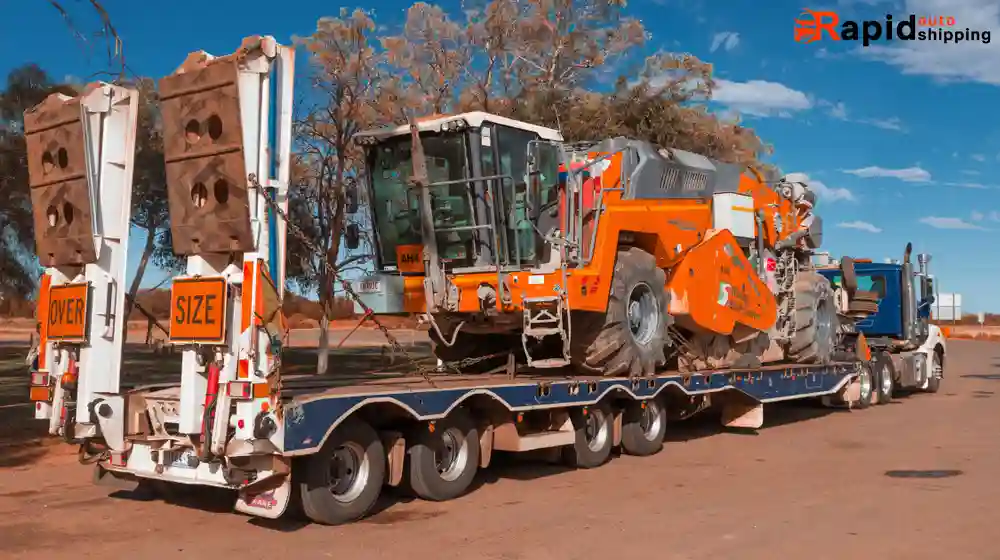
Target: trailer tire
816,323
594,437
643,427
357,451
457,438
884,376
867,396
629,338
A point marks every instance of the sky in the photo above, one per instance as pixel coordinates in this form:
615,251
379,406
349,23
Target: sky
895,138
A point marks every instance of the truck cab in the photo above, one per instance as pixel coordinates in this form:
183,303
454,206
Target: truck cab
900,328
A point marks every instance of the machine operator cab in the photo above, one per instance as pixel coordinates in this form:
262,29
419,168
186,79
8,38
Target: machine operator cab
492,183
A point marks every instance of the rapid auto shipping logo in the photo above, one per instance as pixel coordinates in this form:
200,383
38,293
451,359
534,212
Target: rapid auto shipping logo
812,25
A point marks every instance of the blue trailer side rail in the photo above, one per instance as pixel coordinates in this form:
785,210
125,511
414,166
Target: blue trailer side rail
310,418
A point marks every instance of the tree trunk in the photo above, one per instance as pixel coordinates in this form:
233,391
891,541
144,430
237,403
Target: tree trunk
147,251
323,354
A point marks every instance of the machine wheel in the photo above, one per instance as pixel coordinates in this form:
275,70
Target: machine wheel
594,437
344,478
474,346
884,378
443,462
937,372
816,323
629,338
643,427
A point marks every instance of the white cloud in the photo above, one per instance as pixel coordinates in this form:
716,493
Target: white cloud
972,172
727,40
968,61
978,157
968,185
994,216
839,111
824,192
977,216
863,226
760,98
948,223
909,174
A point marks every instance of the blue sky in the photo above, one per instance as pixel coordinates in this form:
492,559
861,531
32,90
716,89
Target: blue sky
896,138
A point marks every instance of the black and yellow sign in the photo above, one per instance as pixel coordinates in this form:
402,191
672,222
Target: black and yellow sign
198,310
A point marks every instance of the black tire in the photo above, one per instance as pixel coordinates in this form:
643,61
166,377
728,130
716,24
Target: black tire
643,426
454,447
594,437
936,373
884,377
629,338
816,323
469,345
356,450
867,381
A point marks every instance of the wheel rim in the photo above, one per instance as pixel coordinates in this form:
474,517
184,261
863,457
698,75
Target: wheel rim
452,456
349,472
937,371
865,379
651,421
643,316
886,379
596,430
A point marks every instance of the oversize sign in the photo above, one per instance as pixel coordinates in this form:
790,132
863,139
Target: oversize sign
67,314
198,310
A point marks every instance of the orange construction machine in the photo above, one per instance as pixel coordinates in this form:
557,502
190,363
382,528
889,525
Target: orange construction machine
611,256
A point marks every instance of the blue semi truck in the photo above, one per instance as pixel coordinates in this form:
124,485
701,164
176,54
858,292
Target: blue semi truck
892,302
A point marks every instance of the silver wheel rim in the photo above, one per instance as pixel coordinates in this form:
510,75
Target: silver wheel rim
651,421
349,472
886,380
866,385
596,430
643,316
452,456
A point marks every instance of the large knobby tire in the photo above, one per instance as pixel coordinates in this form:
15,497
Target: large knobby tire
343,480
468,345
816,325
443,463
628,339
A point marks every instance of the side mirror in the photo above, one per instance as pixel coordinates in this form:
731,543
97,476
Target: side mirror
351,197
352,236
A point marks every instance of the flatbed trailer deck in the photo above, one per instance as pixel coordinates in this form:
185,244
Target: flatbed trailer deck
392,425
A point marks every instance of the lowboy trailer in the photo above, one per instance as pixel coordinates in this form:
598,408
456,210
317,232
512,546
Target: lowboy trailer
232,420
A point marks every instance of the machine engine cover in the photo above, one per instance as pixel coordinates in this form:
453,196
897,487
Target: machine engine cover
57,176
203,149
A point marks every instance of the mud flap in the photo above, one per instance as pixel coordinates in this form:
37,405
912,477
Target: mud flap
271,503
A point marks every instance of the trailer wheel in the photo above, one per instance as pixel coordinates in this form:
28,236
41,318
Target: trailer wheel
593,426
866,380
629,338
443,460
344,478
643,428
816,323
884,378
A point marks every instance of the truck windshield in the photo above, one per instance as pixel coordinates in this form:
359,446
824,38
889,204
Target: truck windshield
866,283
395,206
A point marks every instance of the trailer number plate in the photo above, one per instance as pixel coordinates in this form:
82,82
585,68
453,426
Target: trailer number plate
198,310
370,286
67,312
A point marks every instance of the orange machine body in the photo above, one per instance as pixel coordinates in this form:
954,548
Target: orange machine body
711,282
